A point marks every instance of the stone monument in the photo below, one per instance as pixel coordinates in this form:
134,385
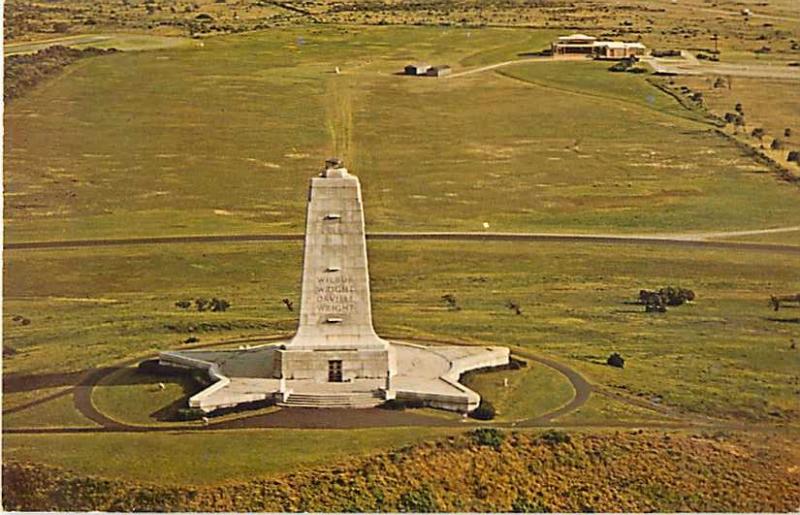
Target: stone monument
336,359
335,340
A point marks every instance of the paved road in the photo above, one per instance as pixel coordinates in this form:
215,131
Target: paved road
695,67
682,240
300,418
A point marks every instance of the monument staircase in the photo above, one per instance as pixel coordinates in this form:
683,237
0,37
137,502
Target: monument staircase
368,399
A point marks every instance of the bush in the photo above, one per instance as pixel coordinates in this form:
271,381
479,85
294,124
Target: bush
488,436
190,414
555,437
419,500
400,404
191,339
394,404
524,505
776,144
615,360
793,155
485,411
516,363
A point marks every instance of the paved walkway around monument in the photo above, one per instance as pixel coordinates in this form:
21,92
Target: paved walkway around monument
300,418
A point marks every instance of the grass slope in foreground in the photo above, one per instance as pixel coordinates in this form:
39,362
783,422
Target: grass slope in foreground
522,472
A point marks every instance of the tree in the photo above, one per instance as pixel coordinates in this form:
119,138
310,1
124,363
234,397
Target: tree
793,155
514,306
738,123
758,133
484,411
739,109
219,305
289,304
615,360
776,144
452,303
787,132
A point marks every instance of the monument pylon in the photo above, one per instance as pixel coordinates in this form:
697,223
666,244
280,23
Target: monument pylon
335,339
336,359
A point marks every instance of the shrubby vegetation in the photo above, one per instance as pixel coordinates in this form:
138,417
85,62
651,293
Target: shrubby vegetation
552,471
485,411
23,72
203,304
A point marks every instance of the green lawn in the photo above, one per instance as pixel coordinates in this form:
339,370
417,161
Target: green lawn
223,139
135,398
600,409
531,391
58,412
206,457
726,354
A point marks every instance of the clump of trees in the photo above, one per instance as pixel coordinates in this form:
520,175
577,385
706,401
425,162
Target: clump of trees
202,304
656,301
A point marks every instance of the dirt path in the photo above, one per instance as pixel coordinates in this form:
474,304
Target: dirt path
676,239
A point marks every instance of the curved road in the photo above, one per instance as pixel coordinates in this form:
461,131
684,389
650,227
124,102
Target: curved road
701,240
300,418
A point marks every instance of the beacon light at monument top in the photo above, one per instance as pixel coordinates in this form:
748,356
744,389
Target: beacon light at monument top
336,359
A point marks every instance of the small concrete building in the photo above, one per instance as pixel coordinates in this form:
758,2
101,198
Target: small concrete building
417,69
439,71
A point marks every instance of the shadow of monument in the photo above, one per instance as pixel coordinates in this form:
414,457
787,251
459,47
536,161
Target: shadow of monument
14,383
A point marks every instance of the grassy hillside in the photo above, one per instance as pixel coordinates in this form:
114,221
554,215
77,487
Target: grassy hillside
518,472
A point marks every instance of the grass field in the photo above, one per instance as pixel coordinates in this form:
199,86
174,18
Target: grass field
59,412
544,146
727,353
222,139
207,457
531,391
122,42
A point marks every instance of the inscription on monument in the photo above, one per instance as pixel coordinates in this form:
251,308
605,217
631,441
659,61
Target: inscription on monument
336,294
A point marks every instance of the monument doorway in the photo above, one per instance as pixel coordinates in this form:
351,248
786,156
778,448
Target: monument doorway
335,371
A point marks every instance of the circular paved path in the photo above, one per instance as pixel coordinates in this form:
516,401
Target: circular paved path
297,418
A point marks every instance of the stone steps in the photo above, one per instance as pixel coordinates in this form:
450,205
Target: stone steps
334,400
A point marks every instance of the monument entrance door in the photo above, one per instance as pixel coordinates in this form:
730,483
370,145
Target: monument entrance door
335,371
